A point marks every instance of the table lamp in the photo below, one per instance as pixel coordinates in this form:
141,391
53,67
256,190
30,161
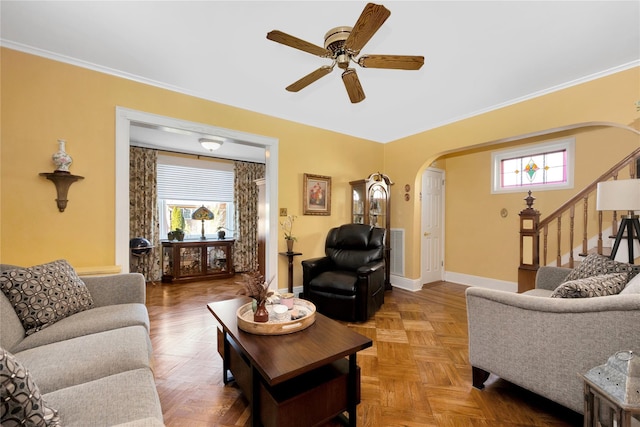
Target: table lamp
202,214
621,195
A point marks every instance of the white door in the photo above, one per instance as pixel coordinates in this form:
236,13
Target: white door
432,226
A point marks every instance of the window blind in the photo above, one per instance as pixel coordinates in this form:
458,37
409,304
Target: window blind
191,183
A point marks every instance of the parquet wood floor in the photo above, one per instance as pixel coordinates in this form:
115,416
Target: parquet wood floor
416,373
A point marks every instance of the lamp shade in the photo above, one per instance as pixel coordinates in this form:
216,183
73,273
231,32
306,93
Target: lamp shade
202,213
619,195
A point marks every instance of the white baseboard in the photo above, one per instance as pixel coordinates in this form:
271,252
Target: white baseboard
414,285
404,283
482,282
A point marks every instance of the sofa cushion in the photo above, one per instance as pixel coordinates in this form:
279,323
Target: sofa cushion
22,402
43,294
633,287
11,329
596,265
115,399
87,322
595,286
335,282
87,358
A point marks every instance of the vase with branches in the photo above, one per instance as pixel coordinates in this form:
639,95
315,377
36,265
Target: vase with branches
254,286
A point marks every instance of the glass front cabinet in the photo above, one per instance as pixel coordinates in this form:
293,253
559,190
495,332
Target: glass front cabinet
196,260
371,204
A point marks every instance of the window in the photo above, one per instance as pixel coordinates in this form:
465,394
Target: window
541,167
186,184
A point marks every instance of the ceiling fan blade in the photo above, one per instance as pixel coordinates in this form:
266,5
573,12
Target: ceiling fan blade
309,78
296,43
370,20
396,62
353,86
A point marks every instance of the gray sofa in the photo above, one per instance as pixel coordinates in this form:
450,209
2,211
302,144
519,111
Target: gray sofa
95,366
543,344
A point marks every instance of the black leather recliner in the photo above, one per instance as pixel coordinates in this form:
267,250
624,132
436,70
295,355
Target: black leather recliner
348,283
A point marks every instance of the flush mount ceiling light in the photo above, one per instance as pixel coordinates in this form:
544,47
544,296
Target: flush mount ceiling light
211,143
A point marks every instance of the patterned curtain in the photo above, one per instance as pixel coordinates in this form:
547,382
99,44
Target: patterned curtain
245,251
143,210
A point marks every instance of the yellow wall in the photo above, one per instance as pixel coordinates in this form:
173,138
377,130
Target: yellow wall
608,99
487,245
44,100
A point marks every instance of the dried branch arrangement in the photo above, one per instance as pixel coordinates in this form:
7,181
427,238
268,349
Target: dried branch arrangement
254,286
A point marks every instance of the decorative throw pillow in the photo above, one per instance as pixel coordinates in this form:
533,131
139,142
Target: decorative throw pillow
22,403
596,265
43,294
595,286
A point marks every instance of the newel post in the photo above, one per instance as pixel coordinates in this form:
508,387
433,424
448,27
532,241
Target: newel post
529,246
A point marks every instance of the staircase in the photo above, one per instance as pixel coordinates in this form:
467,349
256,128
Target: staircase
562,234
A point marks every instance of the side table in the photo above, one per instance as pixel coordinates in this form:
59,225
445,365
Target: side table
290,256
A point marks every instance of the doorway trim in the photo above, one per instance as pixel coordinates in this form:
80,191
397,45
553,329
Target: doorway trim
423,211
125,116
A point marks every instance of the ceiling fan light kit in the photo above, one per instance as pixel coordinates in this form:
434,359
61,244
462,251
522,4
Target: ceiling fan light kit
342,45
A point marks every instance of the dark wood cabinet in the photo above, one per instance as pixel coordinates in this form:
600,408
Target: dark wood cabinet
196,260
371,204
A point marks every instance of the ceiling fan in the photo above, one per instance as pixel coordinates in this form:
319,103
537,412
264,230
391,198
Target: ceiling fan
343,45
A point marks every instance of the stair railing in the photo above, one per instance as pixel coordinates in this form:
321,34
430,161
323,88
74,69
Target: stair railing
579,202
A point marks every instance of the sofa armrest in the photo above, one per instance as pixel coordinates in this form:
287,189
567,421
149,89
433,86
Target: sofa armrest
370,268
314,266
116,289
550,278
543,343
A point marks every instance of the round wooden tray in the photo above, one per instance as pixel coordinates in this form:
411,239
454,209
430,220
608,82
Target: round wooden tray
275,326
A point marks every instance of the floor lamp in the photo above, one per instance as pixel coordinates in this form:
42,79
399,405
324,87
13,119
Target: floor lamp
622,195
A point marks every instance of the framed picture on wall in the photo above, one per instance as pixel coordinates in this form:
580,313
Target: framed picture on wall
316,195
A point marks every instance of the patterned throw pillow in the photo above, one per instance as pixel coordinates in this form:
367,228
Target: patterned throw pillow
43,294
22,402
595,286
595,265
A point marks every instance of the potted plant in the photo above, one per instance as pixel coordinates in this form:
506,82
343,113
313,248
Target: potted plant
178,234
221,232
287,226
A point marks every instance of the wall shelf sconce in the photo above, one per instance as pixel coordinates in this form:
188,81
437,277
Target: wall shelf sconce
62,181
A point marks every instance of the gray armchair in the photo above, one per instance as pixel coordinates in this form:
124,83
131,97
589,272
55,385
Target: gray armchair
348,283
543,344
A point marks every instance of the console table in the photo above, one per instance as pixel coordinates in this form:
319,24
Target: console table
191,260
284,391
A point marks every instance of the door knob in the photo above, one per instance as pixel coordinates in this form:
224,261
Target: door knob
426,234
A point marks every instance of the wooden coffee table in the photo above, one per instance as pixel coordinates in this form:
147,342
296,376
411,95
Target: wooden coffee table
299,379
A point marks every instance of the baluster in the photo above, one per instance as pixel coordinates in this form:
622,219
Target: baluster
632,167
558,254
572,212
614,219
585,213
599,232
545,243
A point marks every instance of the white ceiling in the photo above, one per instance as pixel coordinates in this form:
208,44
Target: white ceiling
479,55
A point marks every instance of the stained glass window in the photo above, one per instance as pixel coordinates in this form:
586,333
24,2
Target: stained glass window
547,166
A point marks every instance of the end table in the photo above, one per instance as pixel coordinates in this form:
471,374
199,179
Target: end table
290,256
